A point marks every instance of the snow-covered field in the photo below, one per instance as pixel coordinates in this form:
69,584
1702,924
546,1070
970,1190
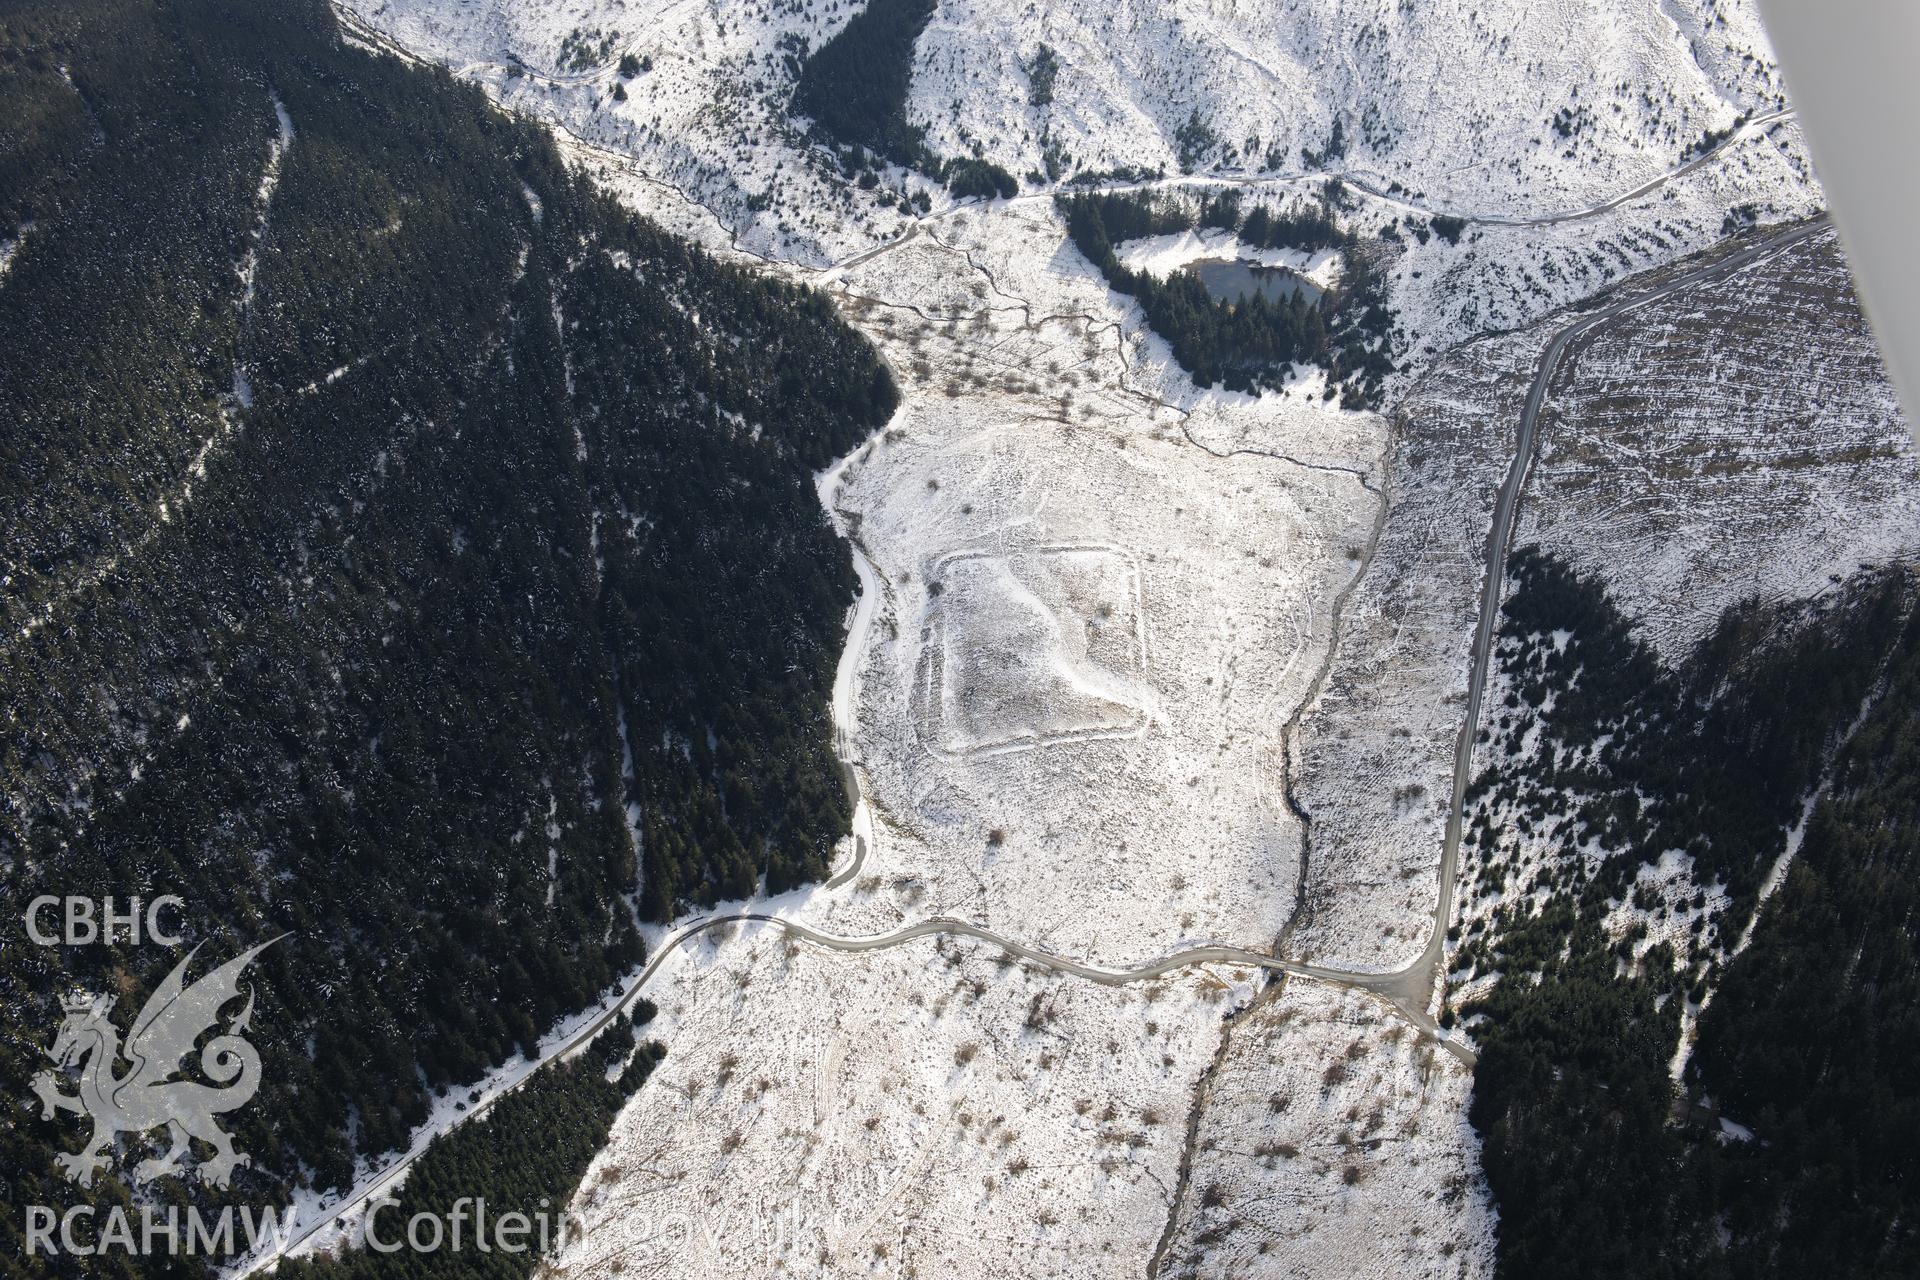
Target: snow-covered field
1100,771
1102,635
1376,752
932,1110
1163,255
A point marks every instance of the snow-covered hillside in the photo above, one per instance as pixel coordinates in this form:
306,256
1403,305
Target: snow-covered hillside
1142,666
1741,441
1480,104
1569,135
1100,602
1470,106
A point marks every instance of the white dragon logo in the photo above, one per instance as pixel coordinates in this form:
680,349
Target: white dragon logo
144,1098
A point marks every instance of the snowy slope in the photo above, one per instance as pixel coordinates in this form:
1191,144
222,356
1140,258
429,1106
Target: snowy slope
1141,595
1089,710
1454,99
1450,103
1740,441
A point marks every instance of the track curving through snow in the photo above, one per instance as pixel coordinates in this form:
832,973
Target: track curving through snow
1757,125
1371,185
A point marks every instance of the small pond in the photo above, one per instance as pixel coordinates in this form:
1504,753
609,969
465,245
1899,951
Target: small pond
1234,280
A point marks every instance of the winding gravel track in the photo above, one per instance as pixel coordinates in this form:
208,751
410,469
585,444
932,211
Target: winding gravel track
1367,184
846,673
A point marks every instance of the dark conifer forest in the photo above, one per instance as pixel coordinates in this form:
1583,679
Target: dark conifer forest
403,547
1600,1163
854,89
854,86
526,1156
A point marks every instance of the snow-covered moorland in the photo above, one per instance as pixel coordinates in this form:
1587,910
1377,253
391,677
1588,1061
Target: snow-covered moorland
1741,439
1097,615
1121,633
